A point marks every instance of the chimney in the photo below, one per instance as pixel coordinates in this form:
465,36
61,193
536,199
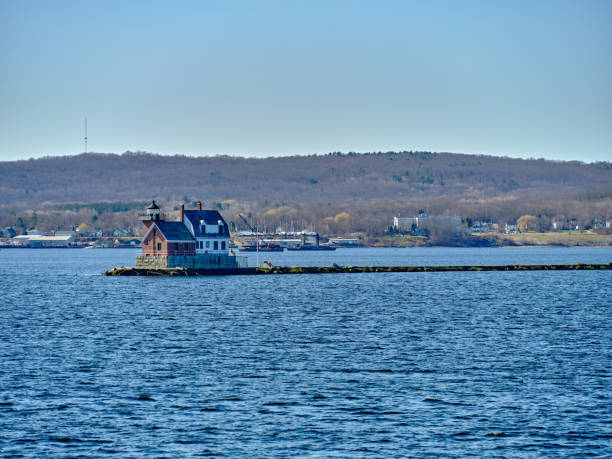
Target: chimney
199,205
182,212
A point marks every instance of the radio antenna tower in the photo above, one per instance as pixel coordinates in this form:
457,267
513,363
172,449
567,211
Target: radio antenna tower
85,138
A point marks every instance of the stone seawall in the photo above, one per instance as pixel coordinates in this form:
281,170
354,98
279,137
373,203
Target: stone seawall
191,262
145,271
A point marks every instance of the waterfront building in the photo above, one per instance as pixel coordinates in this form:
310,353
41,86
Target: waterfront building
343,242
9,231
200,239
40,240
424,224
65,233
511,228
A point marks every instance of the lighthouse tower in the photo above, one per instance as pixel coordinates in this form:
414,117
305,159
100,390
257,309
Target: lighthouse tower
153,213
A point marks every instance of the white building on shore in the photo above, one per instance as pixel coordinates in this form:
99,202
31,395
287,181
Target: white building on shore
424,223
36,240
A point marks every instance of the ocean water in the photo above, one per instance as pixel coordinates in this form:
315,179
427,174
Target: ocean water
345,365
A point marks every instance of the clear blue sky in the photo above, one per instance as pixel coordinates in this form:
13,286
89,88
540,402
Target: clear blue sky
516,78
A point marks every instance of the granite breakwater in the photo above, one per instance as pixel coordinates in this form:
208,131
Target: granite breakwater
335,269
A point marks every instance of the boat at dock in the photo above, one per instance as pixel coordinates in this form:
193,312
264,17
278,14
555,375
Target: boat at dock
262,248
311,247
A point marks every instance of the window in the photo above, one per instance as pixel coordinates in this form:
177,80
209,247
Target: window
203,229
154,232
208,244
222,245
159,246
146,242
220,228
216,245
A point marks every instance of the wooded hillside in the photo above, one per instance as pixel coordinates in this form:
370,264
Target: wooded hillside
338,192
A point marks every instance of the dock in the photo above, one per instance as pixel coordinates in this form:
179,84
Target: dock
335,269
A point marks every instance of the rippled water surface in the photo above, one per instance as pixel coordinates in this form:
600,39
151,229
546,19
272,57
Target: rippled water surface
342,365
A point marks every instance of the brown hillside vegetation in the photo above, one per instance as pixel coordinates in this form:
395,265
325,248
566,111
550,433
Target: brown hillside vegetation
336,176
337,192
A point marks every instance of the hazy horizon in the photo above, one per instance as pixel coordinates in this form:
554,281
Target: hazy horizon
520,79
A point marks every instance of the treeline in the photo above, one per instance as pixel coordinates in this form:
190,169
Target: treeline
368,216
100,207
336,193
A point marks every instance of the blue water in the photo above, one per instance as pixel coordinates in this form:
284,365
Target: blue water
344,365
434,256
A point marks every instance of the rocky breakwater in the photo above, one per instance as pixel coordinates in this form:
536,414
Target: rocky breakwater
335,269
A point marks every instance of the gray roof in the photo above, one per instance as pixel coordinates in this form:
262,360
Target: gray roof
210,217
174,231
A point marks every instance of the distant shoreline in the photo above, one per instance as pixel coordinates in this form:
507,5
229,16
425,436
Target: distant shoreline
380,246
552,239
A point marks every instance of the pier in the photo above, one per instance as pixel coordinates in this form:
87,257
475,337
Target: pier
140,271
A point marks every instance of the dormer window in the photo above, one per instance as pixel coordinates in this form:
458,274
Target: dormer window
202,227
220,227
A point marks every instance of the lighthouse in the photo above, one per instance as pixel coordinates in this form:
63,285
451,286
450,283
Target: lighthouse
200,239
153,213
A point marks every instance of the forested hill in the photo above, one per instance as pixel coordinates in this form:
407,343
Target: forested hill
336,177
